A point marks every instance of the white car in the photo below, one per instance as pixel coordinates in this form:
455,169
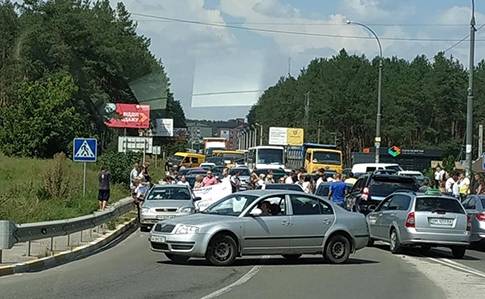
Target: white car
363,168
207,165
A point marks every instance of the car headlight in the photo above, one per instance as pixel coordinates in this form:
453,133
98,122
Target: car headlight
186,210
187,229
145,210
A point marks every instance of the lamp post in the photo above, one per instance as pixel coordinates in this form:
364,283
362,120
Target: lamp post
469,101
378,121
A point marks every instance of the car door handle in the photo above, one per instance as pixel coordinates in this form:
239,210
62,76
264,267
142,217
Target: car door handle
380,214
393,214
326,221
285,222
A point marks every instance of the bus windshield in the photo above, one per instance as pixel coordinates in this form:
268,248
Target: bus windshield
270,156
327,158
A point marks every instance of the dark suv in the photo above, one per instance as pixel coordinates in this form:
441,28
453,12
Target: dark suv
370,189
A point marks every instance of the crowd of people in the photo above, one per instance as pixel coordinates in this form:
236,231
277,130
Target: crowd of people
457,184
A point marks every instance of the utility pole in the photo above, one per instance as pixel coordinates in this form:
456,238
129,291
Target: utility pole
318,131
307,109
480,141
289,67
469,102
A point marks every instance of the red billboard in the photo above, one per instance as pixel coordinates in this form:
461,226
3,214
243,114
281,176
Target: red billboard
127,116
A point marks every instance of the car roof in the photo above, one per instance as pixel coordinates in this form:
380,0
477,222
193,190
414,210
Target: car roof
160,186
260,193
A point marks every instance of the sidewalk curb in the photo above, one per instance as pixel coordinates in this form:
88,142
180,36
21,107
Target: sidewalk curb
71,255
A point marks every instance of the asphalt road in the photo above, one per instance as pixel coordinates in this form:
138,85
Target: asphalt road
131,270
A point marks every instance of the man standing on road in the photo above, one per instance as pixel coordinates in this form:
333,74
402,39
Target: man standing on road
450,182
133,175
209,180
337,191
103,194
438,176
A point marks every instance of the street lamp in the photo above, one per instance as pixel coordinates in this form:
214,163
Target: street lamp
378,121
261,133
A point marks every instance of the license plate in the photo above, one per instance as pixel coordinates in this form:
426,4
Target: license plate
440,221
164,216
157,239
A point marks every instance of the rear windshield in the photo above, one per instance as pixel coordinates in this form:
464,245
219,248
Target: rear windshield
171,193
242,171
437,204
292,187
383,187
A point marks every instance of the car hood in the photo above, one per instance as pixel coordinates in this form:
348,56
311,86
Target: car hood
201,219
166,203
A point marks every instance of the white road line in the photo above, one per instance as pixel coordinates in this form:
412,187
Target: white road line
245,278
458,266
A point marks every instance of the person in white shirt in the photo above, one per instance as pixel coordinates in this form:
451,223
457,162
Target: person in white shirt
183,181
450,182
321,179
438,175
330,179
133,176
261,180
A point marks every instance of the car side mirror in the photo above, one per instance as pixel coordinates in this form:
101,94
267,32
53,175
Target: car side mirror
256,212
197,198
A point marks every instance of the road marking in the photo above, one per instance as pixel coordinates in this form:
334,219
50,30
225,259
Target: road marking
458,266
245,278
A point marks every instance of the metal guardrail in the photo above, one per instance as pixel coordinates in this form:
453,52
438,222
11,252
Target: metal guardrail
11,233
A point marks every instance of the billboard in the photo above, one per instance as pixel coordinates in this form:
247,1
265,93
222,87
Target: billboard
135,144
286,136
127,116
163,127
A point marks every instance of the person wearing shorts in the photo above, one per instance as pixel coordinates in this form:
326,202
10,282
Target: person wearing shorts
103,194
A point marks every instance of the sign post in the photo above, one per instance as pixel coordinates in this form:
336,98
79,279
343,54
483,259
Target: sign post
84,150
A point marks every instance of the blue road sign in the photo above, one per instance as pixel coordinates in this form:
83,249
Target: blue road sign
84,149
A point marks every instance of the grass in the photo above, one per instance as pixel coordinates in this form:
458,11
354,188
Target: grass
22,195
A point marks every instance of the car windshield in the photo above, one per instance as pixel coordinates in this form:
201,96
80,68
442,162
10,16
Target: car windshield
326,157
241,171
435,204
270,156
382,187
215,160
231,205
171,193
322,190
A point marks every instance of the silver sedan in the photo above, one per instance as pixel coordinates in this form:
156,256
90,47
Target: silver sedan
262,223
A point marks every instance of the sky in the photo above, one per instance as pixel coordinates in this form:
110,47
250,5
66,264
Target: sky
218,72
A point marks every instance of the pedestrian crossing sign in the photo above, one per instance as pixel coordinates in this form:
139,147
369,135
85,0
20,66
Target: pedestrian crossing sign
84,149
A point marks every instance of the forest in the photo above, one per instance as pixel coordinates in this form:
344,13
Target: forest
61,61
423,102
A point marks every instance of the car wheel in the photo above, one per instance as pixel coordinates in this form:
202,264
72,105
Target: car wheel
458,252
370,243
337,250
292,257
222,250
395,244
177,258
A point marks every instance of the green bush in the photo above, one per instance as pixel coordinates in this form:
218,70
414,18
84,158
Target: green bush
56,179
119,165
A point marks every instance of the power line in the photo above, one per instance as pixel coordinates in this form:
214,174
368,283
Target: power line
329,24
226,92
461,40
258,29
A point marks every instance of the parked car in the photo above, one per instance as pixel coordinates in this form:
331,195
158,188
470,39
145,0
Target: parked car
165,202
261,222
363,168
420,219
290,187
475,209
218,161
207,165
324,188
197,171
370,189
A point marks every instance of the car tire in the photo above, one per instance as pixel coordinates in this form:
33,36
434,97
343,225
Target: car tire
370,243
395,243
337,250
222,250
292,257
458,252
179,259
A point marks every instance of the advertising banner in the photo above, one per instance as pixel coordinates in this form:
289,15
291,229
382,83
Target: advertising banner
127,116
163,127
212,194
286,136
135,144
